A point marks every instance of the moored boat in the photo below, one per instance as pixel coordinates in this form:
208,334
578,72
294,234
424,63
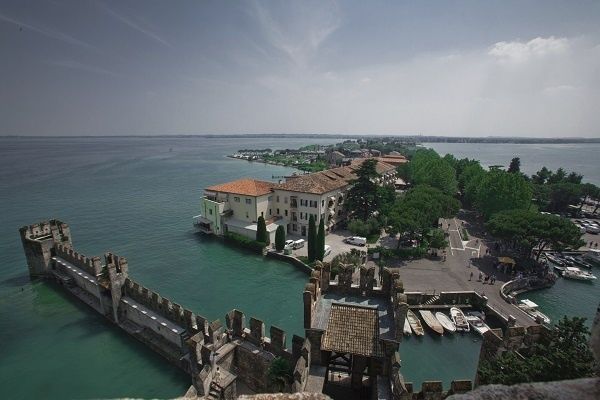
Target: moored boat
445,321
576,273
458,317
415,324
407,330
531,309
431,321
477,324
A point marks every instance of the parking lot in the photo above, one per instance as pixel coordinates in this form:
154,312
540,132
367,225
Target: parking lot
333,239
592,240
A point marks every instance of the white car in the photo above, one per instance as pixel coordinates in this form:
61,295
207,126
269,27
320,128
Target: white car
327,251
356,240
289,244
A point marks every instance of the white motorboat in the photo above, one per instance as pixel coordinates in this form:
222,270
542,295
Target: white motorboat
407,330
445,321
531,309
576,273
415,324
431,321
477,324
458,317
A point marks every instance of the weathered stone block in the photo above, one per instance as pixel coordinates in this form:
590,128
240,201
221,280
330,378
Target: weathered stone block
277,338
257,331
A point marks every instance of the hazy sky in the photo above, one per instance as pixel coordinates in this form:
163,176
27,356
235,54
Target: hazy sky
476,68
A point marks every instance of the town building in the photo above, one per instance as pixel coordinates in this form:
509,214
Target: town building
236,206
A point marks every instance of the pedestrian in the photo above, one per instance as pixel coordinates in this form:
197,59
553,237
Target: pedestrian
485,279
471,275
596,245
480,276
591,243
217,376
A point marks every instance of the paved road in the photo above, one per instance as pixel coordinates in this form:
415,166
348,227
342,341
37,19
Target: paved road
463,259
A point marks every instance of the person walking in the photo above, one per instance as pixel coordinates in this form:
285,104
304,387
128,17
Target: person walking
471,275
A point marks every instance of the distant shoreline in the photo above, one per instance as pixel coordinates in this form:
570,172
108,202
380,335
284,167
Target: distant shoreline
413,138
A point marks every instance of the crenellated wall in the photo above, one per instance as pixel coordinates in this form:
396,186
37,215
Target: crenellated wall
38,241
91,265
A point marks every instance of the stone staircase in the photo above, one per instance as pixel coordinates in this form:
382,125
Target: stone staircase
216,391
432,300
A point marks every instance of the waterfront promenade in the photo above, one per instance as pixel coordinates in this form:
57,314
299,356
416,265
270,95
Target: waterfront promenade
463,258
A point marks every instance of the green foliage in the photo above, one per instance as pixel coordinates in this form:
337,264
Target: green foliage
280,238
464,234
362,197
498,190
280,373
515,166
420,209
320,250
427,168
562,195
312,239
364,228
261,231
565,354
244,241
437,239
353,257
469,182
528,230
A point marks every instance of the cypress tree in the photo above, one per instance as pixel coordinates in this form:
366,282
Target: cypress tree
312,239
320,251
280,238
261,231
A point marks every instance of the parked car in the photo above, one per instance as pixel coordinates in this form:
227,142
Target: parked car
289,244
327,250
356,240
299,243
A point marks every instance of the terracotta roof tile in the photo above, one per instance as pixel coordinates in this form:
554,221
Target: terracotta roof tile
353,329
247,187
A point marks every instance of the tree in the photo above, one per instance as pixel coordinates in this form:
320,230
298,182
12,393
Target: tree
261,231
563,354
280,373
320,250
437,239
280,238
563,194
498,190
542,176
530,231
427,168
362,197
312,239
515,166
589,191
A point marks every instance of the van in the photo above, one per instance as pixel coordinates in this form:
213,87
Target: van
356,240
299,243
327,251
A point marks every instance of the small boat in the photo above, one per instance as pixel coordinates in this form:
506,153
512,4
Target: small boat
431,321
576,273
415,324
531,309
407,330
477,324
458,317
445,321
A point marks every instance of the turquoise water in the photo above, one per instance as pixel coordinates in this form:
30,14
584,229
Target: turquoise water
135,197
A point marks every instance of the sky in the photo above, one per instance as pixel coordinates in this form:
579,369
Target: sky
448,68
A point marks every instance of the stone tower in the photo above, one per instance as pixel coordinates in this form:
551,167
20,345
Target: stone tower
38,241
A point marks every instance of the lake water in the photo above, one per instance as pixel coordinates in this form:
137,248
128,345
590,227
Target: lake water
135,197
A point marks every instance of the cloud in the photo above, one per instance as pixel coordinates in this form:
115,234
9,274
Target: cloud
517,51
50,33
76,65
134,25
300,30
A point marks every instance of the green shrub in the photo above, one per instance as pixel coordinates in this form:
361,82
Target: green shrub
365,229
280,238
261,231
464,234
245,242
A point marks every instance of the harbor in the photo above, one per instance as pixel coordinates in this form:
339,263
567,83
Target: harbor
173,260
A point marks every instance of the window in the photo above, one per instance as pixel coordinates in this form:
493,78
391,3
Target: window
248,201
270,213
322,203
278,211
301,216
210,211
286,213
247,214
236,199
